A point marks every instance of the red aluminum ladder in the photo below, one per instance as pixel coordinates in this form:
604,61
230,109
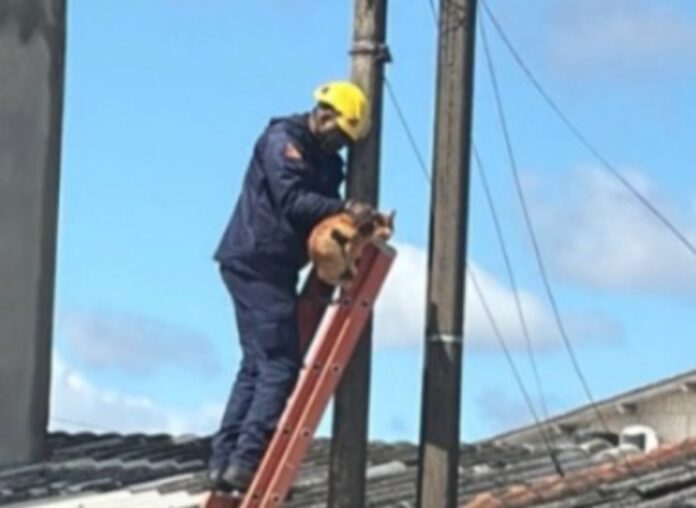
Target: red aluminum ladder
336,336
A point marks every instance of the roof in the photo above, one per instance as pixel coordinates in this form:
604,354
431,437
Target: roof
664,477
114,470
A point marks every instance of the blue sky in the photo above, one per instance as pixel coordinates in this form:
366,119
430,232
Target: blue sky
164,99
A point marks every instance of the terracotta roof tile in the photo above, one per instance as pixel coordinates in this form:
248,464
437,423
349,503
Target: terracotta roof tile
553,488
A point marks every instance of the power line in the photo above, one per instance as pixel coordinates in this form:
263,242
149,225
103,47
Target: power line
539,258
530,227
407,129
511,278
513,367
433,10
491,318
542,270
537,250
604,162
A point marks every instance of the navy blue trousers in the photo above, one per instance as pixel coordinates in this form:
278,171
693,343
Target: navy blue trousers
266,314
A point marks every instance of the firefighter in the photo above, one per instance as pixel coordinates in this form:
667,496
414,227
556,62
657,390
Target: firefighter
292,182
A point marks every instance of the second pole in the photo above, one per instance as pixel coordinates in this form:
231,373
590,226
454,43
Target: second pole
440,418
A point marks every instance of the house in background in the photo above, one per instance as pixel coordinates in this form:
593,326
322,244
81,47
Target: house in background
666,410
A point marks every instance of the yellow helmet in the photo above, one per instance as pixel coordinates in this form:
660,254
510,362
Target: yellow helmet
350,103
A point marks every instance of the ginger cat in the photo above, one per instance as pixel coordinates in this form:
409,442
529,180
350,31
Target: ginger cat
336,243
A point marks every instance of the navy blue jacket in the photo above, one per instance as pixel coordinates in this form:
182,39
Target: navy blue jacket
290,185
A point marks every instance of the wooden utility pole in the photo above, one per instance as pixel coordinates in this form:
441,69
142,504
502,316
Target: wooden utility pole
440,418
32,48
351,403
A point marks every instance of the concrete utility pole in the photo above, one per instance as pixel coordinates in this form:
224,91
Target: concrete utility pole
32,45
440,418
351,403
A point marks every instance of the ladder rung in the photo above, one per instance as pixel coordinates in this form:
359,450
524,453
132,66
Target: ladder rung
330,351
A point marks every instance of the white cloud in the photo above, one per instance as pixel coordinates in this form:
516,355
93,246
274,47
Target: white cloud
134,344
599,236
624,36
77,403
400,311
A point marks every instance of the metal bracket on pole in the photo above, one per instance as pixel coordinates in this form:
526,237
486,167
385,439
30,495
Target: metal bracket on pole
380,51
446,338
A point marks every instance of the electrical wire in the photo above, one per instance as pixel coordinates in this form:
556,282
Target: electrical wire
511,278
494,325
501,342
407,129
604,162
530,227
537,251
433,10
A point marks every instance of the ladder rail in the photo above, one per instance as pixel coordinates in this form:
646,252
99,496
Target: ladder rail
342,347
326,358
293,409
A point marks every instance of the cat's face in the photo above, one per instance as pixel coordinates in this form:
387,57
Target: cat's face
384,226
336,245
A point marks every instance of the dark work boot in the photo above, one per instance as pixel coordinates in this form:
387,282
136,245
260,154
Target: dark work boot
213,478
235,478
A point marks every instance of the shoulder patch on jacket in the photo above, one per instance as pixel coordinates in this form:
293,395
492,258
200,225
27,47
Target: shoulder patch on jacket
291,152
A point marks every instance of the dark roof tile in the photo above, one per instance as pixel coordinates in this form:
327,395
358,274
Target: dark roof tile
490,474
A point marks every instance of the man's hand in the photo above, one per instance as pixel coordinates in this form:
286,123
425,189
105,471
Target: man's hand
361,213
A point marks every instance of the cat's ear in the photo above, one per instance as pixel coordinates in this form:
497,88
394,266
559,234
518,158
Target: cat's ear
387,219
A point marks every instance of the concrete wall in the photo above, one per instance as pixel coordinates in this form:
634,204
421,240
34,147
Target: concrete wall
671,413
32,40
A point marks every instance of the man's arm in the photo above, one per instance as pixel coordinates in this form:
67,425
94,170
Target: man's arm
289,181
